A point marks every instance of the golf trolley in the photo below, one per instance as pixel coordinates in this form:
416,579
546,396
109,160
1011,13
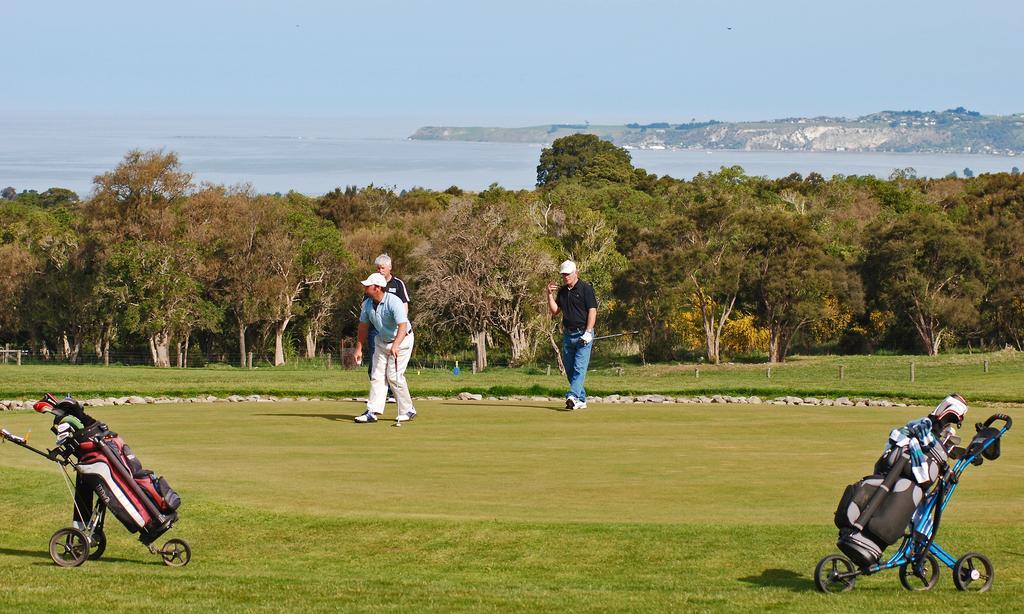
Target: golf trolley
71,546
918,556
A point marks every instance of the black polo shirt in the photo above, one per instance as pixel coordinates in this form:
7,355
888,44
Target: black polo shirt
574,304
397,287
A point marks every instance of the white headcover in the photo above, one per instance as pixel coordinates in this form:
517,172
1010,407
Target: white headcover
954,406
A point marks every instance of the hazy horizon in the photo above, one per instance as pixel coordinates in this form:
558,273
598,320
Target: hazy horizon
410,63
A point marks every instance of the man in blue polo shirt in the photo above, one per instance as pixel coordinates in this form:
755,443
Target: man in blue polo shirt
578,305
392,349
395,286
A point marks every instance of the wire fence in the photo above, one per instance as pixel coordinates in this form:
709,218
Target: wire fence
196,359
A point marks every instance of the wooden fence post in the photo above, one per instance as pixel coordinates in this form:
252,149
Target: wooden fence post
842,372
912,372
986,366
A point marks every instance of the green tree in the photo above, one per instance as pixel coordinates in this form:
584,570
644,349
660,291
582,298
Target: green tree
301,254
793,281
923,268
138,199
57,197
483,268
584,156
157,292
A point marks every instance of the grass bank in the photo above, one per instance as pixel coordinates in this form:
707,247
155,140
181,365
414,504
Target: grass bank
867,376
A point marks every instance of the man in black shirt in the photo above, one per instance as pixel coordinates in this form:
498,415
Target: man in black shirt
578,306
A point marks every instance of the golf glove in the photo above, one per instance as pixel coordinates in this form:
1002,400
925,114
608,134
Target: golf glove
587,337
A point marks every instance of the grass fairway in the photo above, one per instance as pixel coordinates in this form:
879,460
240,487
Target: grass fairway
496,507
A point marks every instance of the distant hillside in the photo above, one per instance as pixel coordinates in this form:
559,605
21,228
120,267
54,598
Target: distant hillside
951,131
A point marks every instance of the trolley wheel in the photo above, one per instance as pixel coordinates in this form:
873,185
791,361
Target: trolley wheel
176,553
827,574
69,547
926,582
973,572
98,544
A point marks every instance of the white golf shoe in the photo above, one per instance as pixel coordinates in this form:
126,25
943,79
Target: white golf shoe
407,416
581,405
570,402
365,417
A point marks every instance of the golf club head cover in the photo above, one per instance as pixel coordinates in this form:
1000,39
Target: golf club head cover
46,404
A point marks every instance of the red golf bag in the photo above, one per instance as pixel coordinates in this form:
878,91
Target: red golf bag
142,501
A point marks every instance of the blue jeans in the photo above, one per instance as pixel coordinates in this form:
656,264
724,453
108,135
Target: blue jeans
576,357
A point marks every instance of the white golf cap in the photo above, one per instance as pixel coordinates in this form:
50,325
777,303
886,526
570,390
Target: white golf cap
375,280
567,267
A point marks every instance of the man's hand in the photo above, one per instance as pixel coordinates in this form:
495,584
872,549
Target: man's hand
552,287
587,337
358,356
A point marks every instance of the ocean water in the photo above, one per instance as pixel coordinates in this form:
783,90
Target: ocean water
315,156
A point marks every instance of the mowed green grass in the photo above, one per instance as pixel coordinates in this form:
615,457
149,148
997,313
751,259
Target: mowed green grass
869,376
493,507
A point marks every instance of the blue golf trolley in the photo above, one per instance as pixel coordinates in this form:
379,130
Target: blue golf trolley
918,556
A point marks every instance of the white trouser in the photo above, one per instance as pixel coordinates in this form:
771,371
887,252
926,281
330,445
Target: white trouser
390,371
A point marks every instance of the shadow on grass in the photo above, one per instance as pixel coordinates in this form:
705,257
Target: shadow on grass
43,554
781,578
477,404
33,554
331,417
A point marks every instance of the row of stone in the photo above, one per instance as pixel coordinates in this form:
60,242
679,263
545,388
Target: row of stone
754,400
469,396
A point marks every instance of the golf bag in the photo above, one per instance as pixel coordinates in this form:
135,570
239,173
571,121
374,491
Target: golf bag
144,502
876,512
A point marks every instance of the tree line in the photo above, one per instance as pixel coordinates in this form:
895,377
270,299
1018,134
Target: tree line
717,266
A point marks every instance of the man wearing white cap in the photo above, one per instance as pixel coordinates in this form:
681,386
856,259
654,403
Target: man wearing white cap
393,347
578,305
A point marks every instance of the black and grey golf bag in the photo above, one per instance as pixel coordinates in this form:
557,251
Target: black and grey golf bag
876,512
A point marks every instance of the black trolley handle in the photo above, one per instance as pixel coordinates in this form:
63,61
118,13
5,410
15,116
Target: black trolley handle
1008,420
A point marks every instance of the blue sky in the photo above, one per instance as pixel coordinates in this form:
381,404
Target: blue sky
509,63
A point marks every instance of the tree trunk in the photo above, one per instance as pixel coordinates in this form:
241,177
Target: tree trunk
106,352
520,344
241,344
310,343
776,343
188,339
480,342
75,349
279,341
65,346
558,353
178,357
160,345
